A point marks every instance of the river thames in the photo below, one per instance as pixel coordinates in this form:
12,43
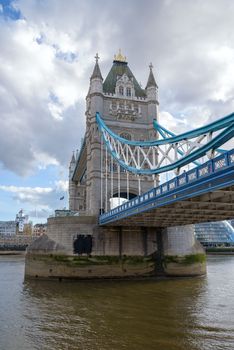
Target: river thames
170,314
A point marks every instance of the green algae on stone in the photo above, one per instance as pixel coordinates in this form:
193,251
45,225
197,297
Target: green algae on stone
99,260
185,260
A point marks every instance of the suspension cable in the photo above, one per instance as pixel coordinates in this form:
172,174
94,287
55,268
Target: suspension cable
127,175
101,174
139,185
106,206
118,184
112,175
127,185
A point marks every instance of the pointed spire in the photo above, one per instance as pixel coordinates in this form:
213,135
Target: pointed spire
151,80
73,160
96,70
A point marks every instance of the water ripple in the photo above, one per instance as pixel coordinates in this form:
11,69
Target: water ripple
176,314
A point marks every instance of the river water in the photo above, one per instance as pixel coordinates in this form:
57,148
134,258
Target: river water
170,314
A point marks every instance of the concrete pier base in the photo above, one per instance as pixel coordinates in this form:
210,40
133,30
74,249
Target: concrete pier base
117,252
183,254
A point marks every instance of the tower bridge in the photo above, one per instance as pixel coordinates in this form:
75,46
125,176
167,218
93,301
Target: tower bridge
115,189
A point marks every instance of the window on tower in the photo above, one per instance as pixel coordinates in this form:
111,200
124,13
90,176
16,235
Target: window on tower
125,135
121,90
128,92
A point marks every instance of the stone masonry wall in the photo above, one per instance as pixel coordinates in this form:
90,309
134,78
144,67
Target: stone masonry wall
110,240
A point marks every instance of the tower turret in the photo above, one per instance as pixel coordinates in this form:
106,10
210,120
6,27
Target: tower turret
151,86
96,78
71,184
72,165
152,94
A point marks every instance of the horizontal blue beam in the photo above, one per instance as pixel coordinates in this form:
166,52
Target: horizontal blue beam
214,174
215,126
212,127
162,131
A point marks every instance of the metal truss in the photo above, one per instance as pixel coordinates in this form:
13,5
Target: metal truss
170,153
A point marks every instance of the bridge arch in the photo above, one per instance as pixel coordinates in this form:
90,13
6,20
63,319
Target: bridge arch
113,198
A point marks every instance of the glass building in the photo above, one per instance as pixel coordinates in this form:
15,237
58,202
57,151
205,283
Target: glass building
213,234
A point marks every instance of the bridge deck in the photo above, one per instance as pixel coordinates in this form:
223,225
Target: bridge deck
205,193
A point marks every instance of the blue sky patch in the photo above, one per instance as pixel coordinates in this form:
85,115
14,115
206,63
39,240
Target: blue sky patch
54,98
8,11
41,39
69,56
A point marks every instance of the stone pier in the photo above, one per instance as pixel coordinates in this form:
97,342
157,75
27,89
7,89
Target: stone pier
183,254
117,252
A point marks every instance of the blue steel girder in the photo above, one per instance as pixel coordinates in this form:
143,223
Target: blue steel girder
214,176
165,133
152,157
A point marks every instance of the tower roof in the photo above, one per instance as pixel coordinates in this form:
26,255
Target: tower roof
96,70
151,80
120,67
73,160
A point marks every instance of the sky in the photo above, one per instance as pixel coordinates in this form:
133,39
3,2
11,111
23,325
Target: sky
47,51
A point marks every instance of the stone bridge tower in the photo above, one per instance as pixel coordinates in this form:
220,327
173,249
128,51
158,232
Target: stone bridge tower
128,110
65,251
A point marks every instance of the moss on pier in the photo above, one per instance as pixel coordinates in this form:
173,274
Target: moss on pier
185,260
80,261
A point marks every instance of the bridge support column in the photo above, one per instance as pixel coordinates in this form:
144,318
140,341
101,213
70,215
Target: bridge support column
183,254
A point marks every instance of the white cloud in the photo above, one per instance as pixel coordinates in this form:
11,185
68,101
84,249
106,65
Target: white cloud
27,194
224,58
47,58
30,75
171,123
42,160
43,199
61,185
26,190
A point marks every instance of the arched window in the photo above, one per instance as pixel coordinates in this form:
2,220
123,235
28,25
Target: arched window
128,91
121,90
126,136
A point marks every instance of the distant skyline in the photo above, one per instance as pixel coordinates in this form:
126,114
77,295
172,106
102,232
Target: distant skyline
47,56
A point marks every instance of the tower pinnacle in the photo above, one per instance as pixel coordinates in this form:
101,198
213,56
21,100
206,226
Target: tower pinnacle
73,160
119,57
151,80
96,57
96,70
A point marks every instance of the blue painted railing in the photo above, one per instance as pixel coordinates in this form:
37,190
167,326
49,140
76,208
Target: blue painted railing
164,194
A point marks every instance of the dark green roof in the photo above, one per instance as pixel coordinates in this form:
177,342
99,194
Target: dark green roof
118,69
